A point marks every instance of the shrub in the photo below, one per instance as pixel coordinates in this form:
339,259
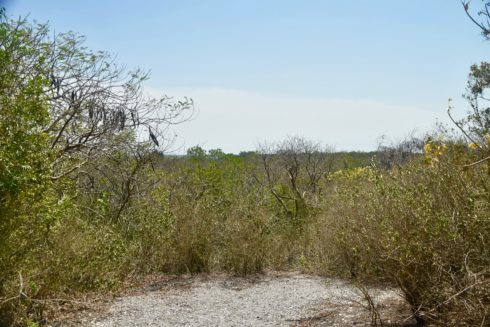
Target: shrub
423,226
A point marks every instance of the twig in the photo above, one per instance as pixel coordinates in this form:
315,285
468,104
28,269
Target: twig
9,299
477,162
21,291
449,108
456,295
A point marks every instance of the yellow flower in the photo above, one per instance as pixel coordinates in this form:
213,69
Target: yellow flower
441,149
433,152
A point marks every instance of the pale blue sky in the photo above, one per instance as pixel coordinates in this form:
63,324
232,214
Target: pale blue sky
342,72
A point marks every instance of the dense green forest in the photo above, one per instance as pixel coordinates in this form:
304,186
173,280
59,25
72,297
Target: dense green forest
88,197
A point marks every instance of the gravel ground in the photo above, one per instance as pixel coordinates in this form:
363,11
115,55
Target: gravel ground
270,300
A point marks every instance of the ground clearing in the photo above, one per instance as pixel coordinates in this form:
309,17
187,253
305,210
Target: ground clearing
274,299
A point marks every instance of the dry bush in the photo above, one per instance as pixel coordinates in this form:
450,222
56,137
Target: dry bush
423,226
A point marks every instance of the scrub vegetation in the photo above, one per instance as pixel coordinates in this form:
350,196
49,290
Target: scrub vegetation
88,197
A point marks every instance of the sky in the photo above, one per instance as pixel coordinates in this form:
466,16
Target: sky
343,73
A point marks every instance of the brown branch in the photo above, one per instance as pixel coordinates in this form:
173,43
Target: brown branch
459,127
466,7
69,171
476,162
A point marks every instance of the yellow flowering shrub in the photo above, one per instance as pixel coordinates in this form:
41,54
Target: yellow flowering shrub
433,152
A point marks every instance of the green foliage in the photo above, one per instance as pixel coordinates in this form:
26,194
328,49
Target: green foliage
70,166
476,125
27,201
196,152
24,151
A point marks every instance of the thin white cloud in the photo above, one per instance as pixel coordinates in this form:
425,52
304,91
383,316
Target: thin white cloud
236,120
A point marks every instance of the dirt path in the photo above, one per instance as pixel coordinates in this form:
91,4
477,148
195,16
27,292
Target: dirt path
270,300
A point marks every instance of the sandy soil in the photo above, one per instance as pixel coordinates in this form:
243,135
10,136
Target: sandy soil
274,299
